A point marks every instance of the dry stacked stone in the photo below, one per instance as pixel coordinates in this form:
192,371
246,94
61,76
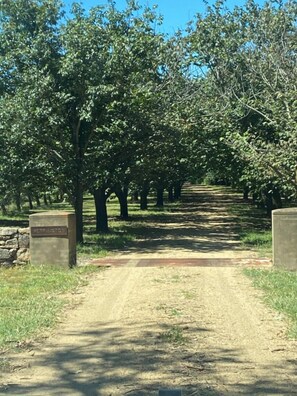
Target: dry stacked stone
14,246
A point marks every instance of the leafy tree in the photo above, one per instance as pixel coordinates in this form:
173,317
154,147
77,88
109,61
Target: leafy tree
28,45
248,57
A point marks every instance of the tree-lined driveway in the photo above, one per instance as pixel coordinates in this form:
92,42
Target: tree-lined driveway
203,226
139,329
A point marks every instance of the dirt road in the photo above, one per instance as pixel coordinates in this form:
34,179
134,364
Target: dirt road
202,227
137,330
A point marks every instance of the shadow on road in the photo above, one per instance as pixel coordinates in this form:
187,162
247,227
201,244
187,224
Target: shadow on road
150,363
204,223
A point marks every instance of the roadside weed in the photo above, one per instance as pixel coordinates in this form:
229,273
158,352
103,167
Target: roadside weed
175,279
170,311
175,312
174,336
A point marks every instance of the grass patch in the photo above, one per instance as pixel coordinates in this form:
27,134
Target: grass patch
31,298
175,279
98,245
280,288
14,219
253,227
261,241
174,336
121,232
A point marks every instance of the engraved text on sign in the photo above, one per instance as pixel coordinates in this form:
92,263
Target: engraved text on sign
49,231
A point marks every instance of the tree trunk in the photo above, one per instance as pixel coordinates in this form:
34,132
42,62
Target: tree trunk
135,196
3,209
122,194
78,207
45,199
170,194
246,193
160,197
18,201
50,200
268,203
101,210
277,199
177,190
30,202
143,199
37,200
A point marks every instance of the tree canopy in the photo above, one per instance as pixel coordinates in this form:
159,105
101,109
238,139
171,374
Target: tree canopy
101,101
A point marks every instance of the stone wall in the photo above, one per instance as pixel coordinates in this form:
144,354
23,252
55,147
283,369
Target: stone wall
14,246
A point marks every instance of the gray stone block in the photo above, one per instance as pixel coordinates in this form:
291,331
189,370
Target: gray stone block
284,237
6,254
12,243
23,256
6,231
14,246
24,241
4,238
24,231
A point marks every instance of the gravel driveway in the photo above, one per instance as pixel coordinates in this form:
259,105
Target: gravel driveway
140,329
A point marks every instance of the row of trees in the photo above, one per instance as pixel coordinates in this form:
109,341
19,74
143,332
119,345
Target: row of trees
102,102
86,105
249,95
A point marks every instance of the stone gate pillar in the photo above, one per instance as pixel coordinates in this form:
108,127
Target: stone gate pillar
53,238
284,238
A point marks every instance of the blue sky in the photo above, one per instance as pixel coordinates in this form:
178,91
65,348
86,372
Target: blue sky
176,13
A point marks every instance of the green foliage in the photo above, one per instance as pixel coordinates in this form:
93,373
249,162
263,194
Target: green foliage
28,60
280,288
84,102
101,102
248,58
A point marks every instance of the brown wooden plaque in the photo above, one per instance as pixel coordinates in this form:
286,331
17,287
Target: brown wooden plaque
49,231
